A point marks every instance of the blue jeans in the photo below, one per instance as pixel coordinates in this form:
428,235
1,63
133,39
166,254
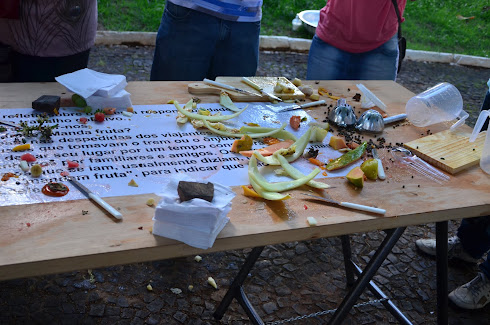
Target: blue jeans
475,239
326,62
192,45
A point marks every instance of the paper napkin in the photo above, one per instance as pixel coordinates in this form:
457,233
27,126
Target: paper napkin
196,222
120,100
87,82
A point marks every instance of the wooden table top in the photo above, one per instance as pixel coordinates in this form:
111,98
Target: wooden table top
62,239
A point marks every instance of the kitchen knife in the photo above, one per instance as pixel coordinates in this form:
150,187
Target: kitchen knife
225,86
381,170
294,107
349,205
96,198
262,91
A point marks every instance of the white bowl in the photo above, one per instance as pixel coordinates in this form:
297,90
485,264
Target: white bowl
310,19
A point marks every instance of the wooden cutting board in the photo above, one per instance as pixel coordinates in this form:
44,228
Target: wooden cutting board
267,83
449,151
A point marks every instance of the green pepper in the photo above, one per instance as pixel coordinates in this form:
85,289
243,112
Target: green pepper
78,100
347,158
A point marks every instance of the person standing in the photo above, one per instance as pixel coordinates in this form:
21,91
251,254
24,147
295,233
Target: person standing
356,40
207,38
43,39
469,245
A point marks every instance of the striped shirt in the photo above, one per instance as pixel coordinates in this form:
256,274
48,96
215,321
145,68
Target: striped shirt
234,10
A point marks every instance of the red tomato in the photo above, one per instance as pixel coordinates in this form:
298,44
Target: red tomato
28,157
295,121
83,120
99,117
72,164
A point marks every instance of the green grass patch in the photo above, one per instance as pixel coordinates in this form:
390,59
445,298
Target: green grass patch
431,25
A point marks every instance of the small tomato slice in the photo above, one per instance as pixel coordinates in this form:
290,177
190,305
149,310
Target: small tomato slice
109,110
28,157
295,121
72,164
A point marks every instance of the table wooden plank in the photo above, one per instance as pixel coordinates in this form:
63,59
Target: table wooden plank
60,238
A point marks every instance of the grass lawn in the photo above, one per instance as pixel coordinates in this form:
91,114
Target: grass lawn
431,25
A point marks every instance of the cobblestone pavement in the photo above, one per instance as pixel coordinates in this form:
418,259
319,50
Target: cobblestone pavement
289,280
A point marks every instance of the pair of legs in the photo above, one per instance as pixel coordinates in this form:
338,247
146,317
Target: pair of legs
326,62
26,68
192,45
471,243
474,234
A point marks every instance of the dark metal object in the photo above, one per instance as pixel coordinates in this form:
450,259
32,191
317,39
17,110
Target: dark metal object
369,271
351,268
236,290
47,103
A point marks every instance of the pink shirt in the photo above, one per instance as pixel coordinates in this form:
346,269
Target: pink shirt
48,28
358,25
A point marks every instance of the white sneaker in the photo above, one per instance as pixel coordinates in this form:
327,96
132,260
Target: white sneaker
472,295
454,249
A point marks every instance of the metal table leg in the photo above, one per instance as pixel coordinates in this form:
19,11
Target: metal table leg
236,290
346,250
441,271
351,268
362,282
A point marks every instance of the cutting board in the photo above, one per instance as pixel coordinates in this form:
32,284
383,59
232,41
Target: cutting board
449,151
267,83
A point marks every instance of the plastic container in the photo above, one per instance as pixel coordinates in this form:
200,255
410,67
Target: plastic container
485,155
441,103
296,23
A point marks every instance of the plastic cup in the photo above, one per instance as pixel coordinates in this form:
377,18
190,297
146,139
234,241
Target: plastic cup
441,103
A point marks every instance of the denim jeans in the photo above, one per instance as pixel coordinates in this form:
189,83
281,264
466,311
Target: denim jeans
474,234
192,45
326,62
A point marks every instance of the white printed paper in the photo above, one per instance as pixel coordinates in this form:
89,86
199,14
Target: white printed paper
147,147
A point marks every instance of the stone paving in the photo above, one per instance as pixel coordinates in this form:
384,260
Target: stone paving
289,280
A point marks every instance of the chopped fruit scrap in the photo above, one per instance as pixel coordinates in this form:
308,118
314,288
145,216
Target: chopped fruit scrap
133,183
269,151
212,283
243,144
28,157
311,221
370,168
36,171
295,121
22,147
72,164
337,142
356,177
150,202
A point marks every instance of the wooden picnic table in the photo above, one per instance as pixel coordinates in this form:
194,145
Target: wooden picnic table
62,239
